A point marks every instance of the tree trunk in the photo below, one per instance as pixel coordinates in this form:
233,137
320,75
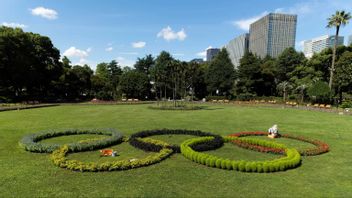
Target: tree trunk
332,69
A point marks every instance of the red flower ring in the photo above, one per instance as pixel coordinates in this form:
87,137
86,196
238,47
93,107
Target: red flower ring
321,147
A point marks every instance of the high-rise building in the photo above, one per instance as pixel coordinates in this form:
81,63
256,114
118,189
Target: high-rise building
211,53
272,34
237,47
349,40
316,45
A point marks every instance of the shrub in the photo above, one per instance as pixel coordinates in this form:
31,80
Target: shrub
346,104
59,158
211,144
228,164
242,166
32,143
319,92
272,147
290,160
218,163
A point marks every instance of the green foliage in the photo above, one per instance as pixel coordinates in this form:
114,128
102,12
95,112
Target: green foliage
220,74
346,104
32,143
135,84
58,157
29,65
320,92
249,74
343,78
291,160
287,61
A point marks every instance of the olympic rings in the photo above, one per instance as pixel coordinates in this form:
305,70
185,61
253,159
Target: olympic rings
190,148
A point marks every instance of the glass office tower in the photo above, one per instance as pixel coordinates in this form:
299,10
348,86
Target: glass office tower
272,34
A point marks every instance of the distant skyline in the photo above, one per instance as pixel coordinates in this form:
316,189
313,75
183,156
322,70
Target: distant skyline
95,31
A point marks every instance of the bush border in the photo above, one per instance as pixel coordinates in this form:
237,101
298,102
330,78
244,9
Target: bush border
58,157
291,160
32,143
135,140
321,147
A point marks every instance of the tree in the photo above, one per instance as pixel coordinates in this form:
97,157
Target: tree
340,18
287,61
29,63
267,83
302,77
320,92
343,78
220,74
107,74
145,64
284,87
134,84
249,74
161,71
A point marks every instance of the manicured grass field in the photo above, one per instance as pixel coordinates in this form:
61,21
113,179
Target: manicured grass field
25,174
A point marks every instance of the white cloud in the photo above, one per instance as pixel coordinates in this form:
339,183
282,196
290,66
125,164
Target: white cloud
44,12
109,49
125,62
14,25
139,44
245,23
74,52
89,49
203,54
82,61
168,34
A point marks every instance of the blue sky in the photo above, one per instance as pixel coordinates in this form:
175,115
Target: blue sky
96,31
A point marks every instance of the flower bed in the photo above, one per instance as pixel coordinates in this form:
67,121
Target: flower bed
321,147
59,159
32,143
135,140
291,159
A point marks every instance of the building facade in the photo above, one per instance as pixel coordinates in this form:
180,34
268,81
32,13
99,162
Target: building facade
272,34
237,47
318,44
211,53
349,40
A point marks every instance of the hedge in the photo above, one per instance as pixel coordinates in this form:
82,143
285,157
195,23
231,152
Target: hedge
32,143
292,158
59,159
135,140
320,147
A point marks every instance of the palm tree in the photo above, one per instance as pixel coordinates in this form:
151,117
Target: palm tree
284,87
340,18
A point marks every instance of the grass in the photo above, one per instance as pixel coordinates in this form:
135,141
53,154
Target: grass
25,174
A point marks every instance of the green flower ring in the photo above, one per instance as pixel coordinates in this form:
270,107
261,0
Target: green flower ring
320,147
59,158
32,142
292,157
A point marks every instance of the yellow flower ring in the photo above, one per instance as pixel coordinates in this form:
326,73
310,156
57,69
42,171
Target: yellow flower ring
59,158
291,159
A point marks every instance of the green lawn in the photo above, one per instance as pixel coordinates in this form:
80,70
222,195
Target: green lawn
24,174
